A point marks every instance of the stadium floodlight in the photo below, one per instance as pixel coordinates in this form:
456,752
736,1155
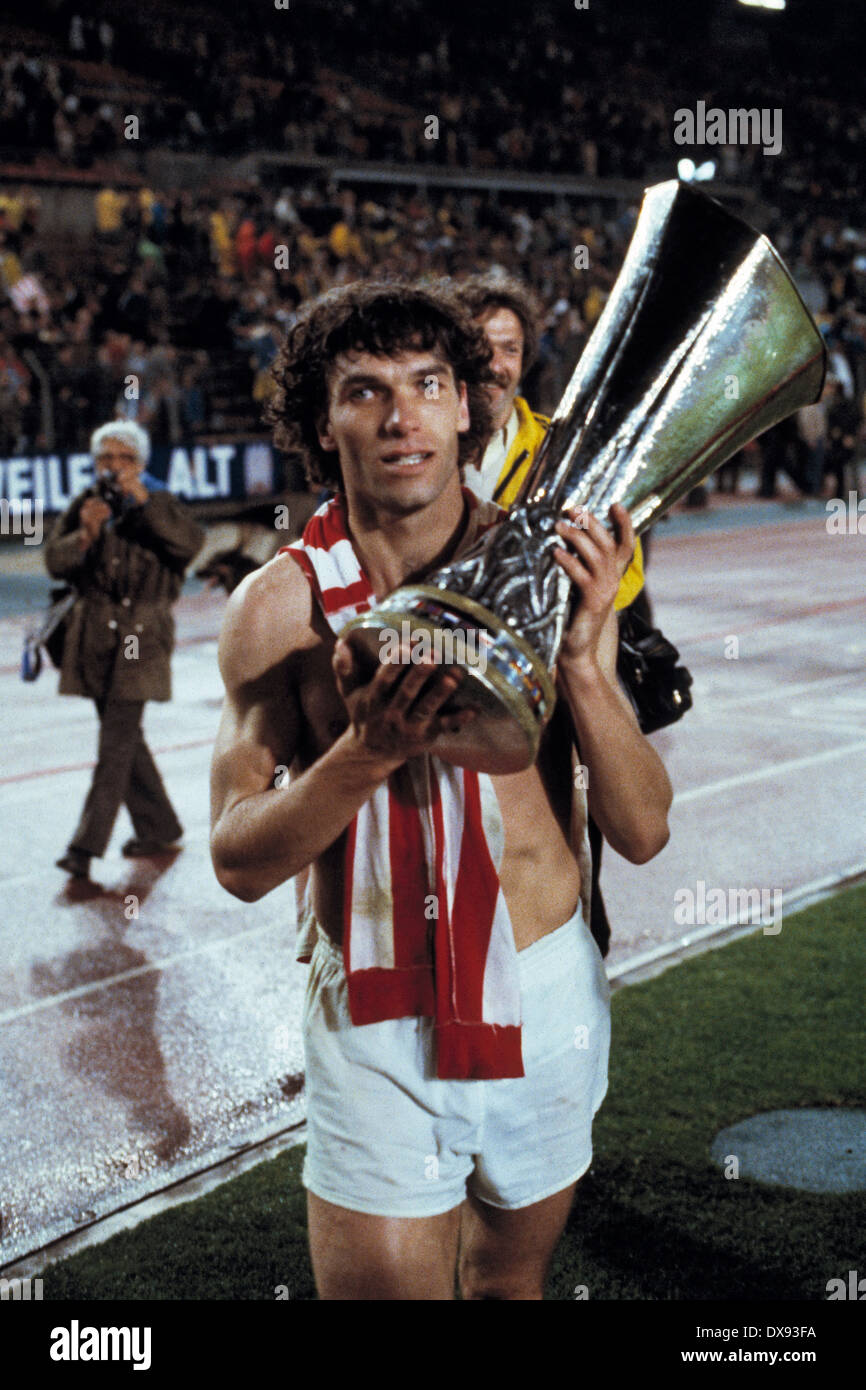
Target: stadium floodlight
765,4
687,170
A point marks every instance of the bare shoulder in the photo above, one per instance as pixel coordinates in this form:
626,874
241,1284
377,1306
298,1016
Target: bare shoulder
268,617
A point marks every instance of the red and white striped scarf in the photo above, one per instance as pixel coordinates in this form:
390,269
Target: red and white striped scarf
426,931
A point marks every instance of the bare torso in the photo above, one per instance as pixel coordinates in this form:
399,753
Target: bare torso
539,872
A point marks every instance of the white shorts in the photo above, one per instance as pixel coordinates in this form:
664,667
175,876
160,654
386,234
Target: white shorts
386,1137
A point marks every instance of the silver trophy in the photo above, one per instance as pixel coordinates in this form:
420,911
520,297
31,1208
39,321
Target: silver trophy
703,344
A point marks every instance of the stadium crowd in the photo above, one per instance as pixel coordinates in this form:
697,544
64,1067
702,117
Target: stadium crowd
536,95
171,311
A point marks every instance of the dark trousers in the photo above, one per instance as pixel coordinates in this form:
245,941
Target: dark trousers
841,467
125,774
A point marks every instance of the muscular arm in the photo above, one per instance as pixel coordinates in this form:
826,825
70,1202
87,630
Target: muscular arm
628,792
261,834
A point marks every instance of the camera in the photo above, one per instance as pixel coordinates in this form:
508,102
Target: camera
107,489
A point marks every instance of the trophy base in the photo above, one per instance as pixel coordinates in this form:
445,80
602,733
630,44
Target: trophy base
504,681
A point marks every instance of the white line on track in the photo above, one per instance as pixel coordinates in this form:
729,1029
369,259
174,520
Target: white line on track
849,724
740,625
33,773
762,774
789,691
194,829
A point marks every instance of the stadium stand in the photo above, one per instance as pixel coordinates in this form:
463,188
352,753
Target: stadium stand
325,173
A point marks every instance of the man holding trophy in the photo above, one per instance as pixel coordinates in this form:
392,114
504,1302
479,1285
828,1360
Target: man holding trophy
456,1022
425,1132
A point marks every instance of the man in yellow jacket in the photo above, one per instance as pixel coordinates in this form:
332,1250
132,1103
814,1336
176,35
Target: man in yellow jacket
509,313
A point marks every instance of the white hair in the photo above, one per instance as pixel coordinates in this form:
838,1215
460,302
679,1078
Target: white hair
128,432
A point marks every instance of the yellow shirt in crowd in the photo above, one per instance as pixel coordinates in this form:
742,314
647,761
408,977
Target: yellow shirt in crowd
109,209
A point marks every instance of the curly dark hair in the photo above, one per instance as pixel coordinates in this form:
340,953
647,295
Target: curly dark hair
490,291
384,318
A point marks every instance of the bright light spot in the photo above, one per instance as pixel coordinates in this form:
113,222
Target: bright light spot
687,171
765,4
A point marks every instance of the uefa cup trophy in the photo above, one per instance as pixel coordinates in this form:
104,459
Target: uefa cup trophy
703,344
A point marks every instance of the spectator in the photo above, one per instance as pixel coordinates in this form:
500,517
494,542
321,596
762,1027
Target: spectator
15,398
162,412
188,246
125,550
134,308
109,207
812,439
843,430
193,402
245,247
